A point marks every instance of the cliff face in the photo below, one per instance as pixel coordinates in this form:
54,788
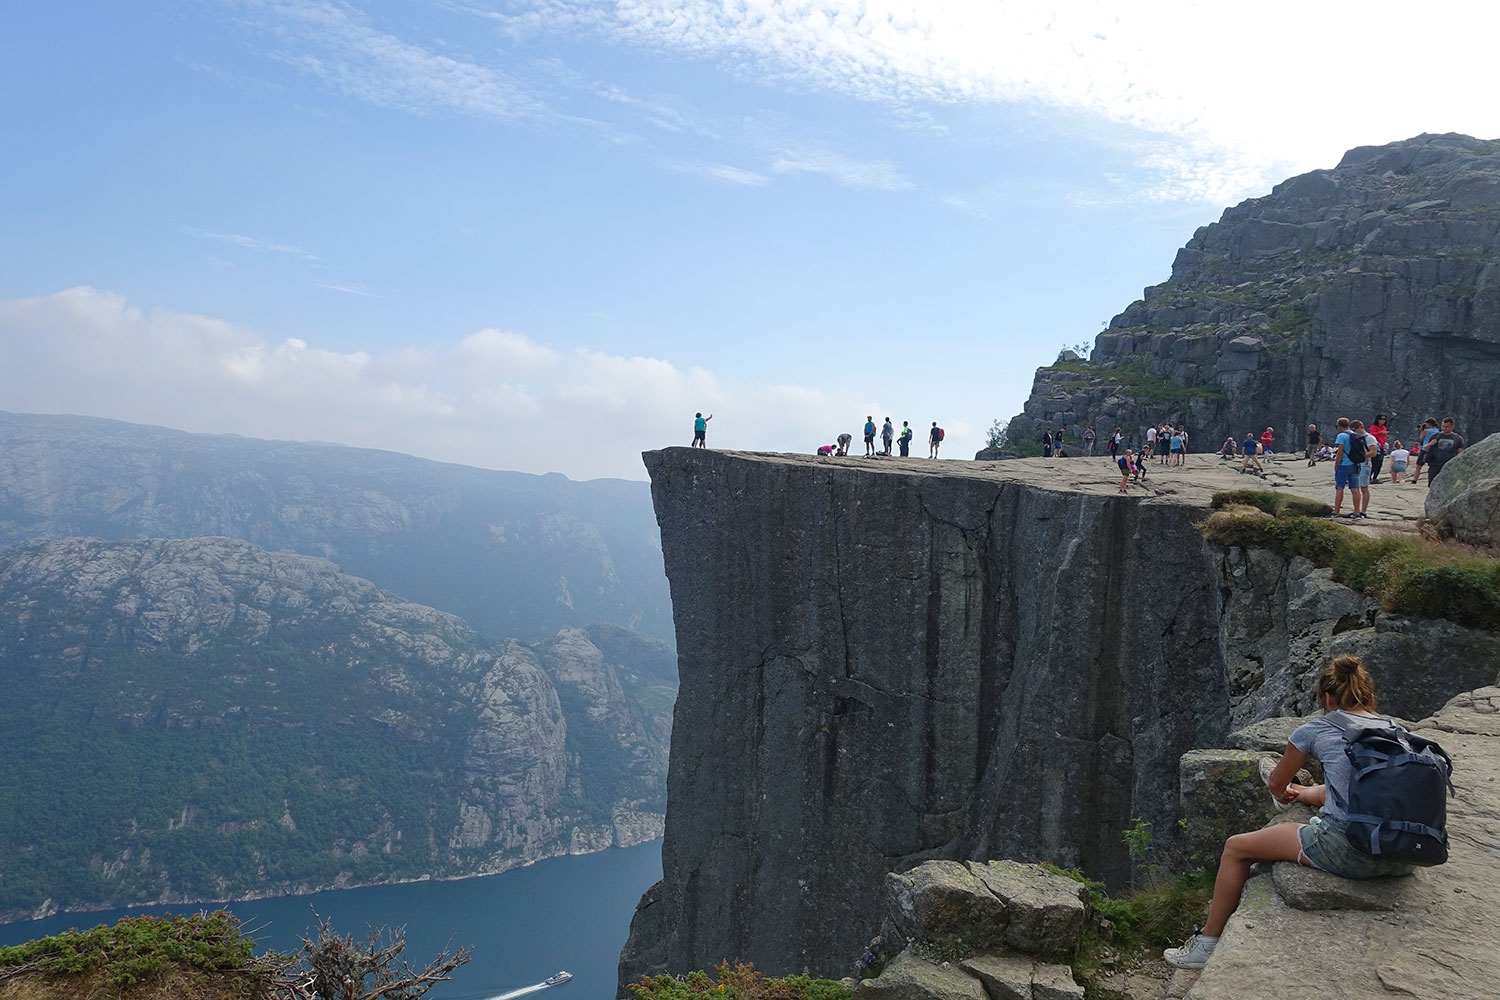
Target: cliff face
1369,288
201,719
881,665
888,661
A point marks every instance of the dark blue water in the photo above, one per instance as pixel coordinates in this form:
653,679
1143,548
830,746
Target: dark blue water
524,925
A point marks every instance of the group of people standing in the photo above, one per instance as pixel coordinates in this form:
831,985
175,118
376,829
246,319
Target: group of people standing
888,436
1359,453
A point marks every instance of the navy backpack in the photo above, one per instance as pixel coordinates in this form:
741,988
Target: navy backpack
1397,805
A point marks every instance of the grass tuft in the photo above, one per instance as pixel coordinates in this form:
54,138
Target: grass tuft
1406,574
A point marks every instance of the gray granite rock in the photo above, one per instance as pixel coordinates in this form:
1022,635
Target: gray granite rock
1005,976
1465,497
910,978
1309,889
1045,911
942,902
1319,300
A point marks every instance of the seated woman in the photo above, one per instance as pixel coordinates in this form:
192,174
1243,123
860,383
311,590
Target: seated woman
1344,686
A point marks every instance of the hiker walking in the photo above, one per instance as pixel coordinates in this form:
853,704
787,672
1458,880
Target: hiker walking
1088,442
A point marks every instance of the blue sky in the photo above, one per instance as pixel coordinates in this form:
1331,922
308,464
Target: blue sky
540,234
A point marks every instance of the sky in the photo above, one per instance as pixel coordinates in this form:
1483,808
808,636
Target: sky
541,234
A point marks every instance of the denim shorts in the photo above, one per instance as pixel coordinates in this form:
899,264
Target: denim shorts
1364,476
1326,845
1341,475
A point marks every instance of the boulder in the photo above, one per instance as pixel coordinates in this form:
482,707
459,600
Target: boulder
1310,889
986,905
1465,497
908,977
1046,911
1005,977
1221,794
943,902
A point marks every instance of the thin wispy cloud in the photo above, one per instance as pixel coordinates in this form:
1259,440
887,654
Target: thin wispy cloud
257,245
848,172
339,46
349,289
718,171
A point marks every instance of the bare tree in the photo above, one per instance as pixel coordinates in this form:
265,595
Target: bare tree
344,969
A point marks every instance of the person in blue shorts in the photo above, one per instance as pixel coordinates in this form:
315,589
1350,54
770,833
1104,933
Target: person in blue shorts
1343,467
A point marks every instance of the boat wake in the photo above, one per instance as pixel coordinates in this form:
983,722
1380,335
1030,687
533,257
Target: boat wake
550,981
536,988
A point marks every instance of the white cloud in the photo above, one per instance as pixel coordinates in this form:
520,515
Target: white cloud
494,351
1230,96
494,398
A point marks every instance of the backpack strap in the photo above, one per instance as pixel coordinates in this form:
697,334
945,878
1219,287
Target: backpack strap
1377,823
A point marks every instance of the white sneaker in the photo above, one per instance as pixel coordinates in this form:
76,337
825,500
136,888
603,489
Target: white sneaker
1267,765
1194,954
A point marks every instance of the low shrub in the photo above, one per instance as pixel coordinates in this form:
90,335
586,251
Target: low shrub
137,949
737,982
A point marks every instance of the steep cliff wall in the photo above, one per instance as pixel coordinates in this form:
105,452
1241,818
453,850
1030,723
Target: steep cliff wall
886,662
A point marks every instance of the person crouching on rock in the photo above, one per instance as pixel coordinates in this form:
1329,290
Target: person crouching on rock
1344,686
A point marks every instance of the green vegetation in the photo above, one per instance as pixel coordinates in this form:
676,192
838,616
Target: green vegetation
1018,441
140,950
1136,925
1406,574
737,982
206,956
1292,321
1145,386
1273,503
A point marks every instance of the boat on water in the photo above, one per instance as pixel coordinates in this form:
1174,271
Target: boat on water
558,979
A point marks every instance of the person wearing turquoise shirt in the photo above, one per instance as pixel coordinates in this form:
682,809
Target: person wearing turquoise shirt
700,430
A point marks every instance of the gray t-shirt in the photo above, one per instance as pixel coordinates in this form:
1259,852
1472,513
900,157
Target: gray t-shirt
1323,740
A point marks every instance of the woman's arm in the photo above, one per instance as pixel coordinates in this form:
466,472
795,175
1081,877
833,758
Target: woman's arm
1291,761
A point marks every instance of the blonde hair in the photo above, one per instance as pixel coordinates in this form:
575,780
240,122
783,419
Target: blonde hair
1350,684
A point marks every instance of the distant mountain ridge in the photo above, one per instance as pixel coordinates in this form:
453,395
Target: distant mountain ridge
195,719
512,554
1370,288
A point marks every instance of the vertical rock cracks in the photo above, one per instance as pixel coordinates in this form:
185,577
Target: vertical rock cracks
883,663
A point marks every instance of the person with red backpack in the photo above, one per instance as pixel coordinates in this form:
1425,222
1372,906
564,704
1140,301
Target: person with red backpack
934,439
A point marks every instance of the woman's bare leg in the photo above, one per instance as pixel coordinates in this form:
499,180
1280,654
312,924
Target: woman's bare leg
1274,843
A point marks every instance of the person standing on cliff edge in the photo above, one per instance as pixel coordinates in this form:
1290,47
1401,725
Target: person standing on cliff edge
887,432
934,438
700,429
905,439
